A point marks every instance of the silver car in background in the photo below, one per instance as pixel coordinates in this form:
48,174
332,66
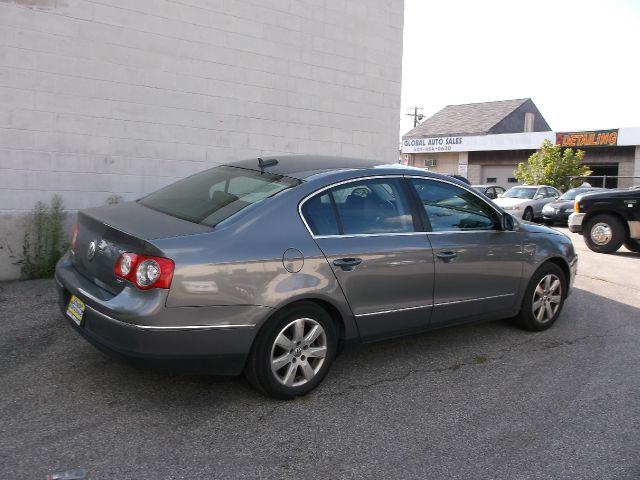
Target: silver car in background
270,266
527,201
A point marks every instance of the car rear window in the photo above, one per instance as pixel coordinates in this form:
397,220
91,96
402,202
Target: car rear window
216,194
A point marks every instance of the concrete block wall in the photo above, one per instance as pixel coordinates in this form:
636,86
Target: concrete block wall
104,97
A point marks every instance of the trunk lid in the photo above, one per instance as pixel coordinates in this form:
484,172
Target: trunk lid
104,233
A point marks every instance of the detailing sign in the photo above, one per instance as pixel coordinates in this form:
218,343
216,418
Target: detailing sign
595,138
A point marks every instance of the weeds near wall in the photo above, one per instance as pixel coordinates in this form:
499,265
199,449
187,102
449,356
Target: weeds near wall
44,239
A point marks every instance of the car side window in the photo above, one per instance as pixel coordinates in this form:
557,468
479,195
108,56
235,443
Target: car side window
320,216
371,206
451,208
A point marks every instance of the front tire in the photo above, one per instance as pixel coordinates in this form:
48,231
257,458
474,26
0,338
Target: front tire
543,299
528,215
632,245
293,352
604,233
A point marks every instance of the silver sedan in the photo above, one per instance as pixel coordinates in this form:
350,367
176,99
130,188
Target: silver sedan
271,266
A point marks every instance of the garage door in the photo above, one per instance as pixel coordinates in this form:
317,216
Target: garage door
499,175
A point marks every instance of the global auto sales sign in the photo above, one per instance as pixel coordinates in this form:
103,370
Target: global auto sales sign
594,138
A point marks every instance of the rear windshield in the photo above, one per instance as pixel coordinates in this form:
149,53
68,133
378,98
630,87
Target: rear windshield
214,195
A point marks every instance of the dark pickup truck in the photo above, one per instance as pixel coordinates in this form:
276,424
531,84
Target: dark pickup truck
608,219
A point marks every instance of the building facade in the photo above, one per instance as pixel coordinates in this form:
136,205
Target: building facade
106,98
485,142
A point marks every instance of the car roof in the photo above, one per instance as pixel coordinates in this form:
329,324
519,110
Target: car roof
302,167
487,185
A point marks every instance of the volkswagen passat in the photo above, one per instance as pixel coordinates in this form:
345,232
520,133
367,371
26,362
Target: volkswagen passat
270,266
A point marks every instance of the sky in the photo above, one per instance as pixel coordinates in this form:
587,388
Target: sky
579,61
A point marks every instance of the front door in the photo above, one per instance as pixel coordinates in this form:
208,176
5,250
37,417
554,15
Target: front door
367,231
478,266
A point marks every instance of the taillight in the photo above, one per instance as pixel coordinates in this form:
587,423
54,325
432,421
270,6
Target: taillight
146,272
576,207
74,238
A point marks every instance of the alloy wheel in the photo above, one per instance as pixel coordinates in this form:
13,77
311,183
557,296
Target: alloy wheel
298,352
547,298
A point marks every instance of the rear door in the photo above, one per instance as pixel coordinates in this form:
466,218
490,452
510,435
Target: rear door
384,265
478,266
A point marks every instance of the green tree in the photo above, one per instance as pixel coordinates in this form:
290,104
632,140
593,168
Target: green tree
553,166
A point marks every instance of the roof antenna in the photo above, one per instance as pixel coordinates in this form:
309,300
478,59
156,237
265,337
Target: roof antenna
266,163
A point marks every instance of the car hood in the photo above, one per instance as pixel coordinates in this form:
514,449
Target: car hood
509,202
561,204
535,228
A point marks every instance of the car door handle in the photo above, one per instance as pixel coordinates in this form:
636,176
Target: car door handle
446,256
347,264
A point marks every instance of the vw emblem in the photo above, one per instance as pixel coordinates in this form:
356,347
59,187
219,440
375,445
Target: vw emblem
91,251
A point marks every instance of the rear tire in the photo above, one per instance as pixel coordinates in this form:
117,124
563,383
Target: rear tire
632,245
544,298
293,351
604,233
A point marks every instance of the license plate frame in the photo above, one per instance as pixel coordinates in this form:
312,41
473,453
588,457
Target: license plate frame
75,310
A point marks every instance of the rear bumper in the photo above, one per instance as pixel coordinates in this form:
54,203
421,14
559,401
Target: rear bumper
214,340
575,222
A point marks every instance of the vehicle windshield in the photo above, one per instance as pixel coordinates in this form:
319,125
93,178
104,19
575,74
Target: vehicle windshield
573,193
520,192
216,194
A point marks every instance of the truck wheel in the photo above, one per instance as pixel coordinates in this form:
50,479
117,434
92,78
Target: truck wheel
632,245
604,233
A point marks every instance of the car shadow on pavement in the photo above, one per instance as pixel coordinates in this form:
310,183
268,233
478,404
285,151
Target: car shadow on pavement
44,339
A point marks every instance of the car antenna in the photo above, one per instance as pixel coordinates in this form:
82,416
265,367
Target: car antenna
266,163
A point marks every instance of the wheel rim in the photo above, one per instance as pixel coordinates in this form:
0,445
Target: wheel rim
547,298
601,233
298,352
527,216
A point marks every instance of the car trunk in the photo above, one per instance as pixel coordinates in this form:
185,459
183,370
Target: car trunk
104,233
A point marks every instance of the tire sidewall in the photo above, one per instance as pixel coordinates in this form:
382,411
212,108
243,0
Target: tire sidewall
617,234
530,211
527,320
260,359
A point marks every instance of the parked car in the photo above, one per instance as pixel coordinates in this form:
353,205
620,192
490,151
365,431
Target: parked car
271,266
559,210
608,219
491,191
526,201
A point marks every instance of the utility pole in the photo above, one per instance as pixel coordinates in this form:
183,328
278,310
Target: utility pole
417,117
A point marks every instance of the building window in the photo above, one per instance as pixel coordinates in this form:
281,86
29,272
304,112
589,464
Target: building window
492,179
529,120
512,180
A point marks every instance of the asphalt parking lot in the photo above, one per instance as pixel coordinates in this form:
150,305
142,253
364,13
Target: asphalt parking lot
482,401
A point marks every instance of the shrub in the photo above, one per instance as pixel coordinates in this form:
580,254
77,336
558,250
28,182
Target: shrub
44,239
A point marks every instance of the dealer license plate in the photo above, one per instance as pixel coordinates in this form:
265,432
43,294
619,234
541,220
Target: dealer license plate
75,310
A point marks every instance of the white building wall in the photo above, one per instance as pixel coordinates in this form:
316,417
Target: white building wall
104,97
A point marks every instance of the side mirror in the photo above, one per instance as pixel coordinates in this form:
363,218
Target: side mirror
556,196
500,195
539,196
509,222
